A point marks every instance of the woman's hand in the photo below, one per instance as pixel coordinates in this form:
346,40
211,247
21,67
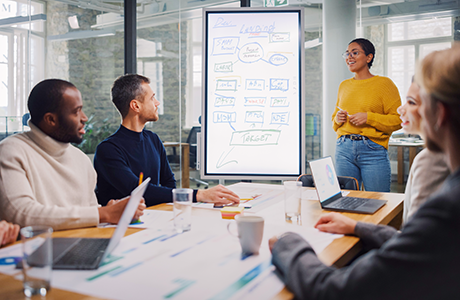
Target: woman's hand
271,242
8,233
336,223
341,116
358,119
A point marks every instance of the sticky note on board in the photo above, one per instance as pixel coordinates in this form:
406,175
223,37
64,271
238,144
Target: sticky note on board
230,212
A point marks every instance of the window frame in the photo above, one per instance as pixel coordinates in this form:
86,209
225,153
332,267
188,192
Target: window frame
416,43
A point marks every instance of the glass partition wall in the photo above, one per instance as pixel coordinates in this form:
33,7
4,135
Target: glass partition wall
81,50
83,42
169,50
60,39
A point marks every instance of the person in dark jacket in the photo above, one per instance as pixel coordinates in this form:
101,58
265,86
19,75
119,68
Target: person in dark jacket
421,261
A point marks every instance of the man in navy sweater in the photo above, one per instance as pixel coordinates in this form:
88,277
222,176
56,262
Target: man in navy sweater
121,158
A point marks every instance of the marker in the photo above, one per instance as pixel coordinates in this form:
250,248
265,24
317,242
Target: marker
225,205
343,110
245,205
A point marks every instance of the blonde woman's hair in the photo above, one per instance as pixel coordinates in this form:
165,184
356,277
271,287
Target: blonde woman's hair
439,75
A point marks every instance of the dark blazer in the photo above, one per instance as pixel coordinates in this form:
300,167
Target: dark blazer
420,262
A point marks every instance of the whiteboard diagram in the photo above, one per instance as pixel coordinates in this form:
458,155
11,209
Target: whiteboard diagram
253,93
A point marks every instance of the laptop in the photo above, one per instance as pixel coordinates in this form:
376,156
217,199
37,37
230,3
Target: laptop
330,195
90,253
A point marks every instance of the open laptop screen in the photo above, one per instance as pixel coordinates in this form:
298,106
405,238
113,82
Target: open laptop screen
126,217
326,182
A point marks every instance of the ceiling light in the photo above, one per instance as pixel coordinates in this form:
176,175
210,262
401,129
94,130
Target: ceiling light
73,22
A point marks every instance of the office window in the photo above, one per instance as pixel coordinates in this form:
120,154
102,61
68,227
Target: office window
401,66
422,29
21,59
411,41
426,49
149,64
3,73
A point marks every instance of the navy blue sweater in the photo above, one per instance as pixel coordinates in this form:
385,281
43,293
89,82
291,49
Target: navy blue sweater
120,159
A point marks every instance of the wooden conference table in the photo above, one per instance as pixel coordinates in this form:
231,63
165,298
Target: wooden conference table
413,147
338,253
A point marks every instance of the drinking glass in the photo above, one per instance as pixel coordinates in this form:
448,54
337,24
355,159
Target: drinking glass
37,261
182,199
292,196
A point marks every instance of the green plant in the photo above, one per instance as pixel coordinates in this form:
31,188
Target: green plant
96,132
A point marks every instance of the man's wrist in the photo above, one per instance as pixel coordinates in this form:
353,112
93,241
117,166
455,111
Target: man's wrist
198,196
102,215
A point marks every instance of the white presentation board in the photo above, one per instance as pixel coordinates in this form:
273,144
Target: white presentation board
253,82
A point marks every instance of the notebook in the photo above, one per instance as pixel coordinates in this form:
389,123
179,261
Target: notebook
90,253
329,193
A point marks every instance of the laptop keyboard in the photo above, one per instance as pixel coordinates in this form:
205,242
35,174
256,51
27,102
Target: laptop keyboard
85,252
348,203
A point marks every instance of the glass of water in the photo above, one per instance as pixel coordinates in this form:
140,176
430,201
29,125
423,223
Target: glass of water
292,195
37,261
183,199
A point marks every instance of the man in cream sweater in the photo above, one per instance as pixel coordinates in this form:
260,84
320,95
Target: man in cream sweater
44,180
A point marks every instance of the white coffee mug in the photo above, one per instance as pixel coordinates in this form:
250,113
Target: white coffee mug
250,232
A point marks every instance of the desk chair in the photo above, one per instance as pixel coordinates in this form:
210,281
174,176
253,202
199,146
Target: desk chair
192,141
345,182
174,158
25,119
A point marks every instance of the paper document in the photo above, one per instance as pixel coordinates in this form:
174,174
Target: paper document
205,263
150,219
253,197
9,256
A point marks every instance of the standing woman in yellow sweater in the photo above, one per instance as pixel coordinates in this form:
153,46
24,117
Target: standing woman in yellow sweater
364,118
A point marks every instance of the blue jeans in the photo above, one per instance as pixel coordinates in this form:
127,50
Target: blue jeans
364,160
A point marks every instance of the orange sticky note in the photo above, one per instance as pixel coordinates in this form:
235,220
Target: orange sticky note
230,212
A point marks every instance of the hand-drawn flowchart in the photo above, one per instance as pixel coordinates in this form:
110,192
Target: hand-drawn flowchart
253,94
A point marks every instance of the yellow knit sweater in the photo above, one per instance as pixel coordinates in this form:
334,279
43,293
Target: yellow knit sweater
379,97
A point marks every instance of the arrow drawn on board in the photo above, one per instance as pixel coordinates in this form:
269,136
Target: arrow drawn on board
231,125
223,156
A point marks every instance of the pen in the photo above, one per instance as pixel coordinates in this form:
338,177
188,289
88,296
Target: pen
141,177
251,198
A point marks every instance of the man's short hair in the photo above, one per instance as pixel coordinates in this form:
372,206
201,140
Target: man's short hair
46,97
126,88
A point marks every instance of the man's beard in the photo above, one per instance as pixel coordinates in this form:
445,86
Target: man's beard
64,133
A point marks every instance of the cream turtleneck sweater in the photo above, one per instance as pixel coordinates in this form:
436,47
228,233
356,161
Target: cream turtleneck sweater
46,182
